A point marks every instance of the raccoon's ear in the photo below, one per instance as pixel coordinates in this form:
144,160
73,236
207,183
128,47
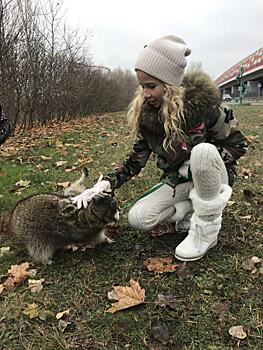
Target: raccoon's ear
66,208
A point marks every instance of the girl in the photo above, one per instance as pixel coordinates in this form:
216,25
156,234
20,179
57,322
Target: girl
180,119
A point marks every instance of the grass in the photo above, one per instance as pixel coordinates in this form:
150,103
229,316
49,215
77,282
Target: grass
215,294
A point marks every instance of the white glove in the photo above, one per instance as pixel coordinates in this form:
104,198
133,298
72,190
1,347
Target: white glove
85,197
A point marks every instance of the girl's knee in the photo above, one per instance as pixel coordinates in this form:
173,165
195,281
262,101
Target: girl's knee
205,156
203,150
140,219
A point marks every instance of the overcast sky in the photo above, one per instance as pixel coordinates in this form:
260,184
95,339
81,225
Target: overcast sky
219,32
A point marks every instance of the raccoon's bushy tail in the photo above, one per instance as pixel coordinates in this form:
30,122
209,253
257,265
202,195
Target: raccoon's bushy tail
5,225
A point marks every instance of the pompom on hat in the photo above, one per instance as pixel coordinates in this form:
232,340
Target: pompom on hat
164,59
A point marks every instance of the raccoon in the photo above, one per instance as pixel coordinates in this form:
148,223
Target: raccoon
50,221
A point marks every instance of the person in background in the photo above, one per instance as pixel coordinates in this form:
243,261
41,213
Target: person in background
5,127
179,117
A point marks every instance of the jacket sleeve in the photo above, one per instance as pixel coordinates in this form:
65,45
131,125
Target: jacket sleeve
132,165
225,134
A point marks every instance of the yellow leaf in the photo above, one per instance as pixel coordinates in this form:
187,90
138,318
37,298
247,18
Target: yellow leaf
33,311
127,296
59,315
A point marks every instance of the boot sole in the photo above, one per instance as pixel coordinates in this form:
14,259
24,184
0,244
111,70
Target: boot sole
178,257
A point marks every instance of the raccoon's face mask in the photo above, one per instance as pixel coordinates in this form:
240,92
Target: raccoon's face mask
105,207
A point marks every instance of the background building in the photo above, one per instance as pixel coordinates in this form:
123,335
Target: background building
251,70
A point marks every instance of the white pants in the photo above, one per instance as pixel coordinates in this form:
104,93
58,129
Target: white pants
208,172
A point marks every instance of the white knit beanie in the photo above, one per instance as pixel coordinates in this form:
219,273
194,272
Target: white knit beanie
164,59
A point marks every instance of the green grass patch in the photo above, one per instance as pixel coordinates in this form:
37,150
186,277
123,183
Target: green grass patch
215,294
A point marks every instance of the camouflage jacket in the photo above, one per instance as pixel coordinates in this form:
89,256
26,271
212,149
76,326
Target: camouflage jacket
5,127
206,120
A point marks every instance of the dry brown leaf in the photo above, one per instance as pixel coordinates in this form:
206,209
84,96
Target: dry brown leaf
162,229
127,296
15,276
254,265
252,138
237,332
160,265
246,172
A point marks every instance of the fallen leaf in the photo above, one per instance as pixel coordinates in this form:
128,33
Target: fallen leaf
237,332
161,334
15,276
45,158
61,162
61,314
127,296
4,251
23,183
160,265
254,265
250,263
246,217
35,286
252,138
256,260
162,229
246,172
33,311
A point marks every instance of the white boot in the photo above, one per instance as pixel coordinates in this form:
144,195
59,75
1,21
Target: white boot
205,225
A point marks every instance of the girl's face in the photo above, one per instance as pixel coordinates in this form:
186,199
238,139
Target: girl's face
153,89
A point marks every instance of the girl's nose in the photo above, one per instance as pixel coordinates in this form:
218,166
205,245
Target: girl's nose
146,93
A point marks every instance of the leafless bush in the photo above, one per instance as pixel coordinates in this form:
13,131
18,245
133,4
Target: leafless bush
46,69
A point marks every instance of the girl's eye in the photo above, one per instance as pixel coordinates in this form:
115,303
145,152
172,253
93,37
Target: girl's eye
148,86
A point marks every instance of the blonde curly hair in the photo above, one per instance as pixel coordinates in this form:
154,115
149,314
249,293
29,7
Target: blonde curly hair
171,113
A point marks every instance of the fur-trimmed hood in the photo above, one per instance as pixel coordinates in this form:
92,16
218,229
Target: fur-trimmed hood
201,93
200,96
